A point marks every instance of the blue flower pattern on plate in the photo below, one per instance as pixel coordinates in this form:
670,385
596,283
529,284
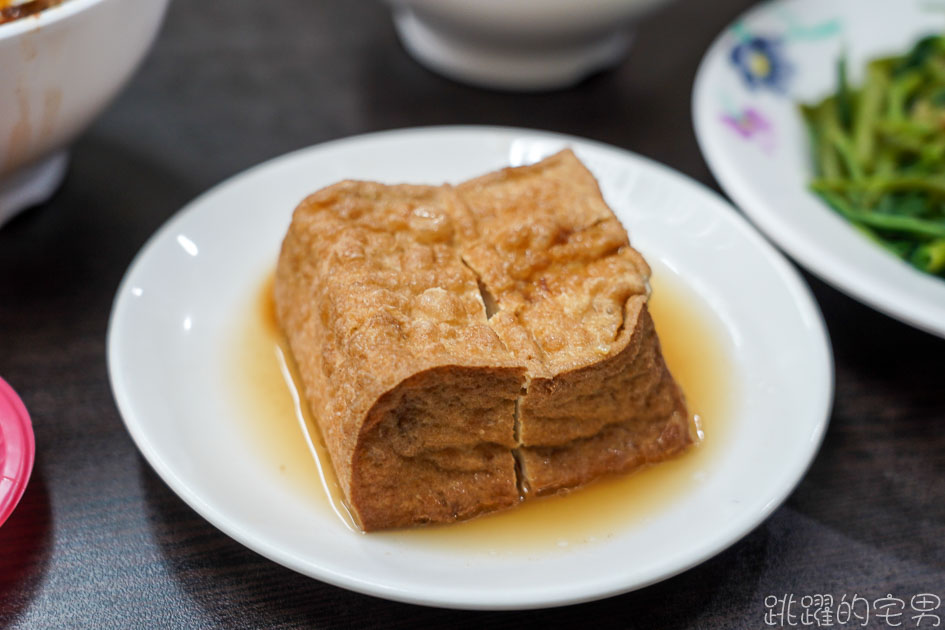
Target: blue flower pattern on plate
761,63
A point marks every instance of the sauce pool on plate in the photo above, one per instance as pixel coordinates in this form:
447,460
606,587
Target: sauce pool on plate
276,419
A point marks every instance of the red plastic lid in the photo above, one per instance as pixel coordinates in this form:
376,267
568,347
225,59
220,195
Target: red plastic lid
17,449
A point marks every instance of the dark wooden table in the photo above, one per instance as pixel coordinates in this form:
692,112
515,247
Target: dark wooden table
100,542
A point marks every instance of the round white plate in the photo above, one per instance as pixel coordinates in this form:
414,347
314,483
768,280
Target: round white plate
168,341
755,142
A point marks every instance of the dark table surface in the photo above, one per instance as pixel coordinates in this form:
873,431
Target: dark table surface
99,541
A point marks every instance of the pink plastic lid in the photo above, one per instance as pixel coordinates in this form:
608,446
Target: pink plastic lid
17,449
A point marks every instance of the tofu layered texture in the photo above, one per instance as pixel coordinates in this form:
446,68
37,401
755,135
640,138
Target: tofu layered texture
464,347
571,305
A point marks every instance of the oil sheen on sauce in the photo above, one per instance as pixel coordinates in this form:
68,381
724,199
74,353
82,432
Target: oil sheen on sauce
279,424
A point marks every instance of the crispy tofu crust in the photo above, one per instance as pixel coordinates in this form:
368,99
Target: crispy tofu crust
442,334
398,362
571,305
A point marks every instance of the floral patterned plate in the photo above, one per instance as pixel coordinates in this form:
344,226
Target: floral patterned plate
752,136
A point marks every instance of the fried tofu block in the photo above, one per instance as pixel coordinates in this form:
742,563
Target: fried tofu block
463,347
413,391
570,298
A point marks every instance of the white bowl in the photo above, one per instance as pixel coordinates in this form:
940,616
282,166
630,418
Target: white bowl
58,70
517,44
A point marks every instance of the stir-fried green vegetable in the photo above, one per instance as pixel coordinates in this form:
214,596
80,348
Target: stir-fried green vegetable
879,152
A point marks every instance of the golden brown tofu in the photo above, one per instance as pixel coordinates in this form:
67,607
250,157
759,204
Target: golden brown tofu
571,295
413,391
442,333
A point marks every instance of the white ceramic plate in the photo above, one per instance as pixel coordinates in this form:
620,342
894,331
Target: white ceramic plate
755,142
171,327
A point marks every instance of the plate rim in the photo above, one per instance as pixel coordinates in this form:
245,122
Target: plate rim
535,598
837,271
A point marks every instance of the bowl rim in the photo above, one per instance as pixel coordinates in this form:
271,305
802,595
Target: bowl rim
45,18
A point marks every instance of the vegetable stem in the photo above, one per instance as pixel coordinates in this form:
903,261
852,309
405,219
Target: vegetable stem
879,152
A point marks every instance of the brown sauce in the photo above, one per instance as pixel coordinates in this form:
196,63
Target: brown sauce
10,12
693,344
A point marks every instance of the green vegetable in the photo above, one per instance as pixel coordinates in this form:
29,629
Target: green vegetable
930,256
879,152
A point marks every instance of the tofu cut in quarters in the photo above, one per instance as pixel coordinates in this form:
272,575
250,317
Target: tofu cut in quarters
463,347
